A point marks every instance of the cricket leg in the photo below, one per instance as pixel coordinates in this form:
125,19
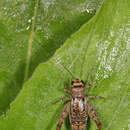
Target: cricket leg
63,115
67,90
58,100
93,115
92,97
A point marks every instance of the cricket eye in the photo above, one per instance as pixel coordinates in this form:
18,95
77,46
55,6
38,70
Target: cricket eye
72,82
82,82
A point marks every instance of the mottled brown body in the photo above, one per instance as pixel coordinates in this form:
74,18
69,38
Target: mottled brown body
78,113
78,108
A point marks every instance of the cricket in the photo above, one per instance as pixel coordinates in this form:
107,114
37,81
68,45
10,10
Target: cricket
78,108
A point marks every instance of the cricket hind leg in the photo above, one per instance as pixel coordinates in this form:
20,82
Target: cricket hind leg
93,115
63,115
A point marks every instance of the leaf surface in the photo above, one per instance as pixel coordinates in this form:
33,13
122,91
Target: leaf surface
30,32
103,44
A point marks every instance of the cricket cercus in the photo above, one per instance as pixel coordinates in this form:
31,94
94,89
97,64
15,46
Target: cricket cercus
78,108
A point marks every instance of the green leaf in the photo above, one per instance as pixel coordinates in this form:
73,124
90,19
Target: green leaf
103,44
30,33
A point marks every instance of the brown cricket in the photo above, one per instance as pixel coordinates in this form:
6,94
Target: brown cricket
78,108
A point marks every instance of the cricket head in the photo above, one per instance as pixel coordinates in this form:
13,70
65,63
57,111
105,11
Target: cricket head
77,83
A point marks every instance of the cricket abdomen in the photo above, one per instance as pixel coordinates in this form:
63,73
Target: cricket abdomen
78,113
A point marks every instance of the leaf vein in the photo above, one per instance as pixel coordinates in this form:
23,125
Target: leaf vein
30,41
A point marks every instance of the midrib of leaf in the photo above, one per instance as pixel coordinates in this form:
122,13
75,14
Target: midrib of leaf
30,41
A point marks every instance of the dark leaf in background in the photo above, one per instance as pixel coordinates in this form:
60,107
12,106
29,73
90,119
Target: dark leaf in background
30,33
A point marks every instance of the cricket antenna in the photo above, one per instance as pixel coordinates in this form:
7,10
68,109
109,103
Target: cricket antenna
68,71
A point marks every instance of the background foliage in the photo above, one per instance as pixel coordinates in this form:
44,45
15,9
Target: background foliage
30,33
103,42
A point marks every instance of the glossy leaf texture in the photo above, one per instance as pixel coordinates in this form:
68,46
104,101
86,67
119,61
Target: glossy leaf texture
30,33
102,44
